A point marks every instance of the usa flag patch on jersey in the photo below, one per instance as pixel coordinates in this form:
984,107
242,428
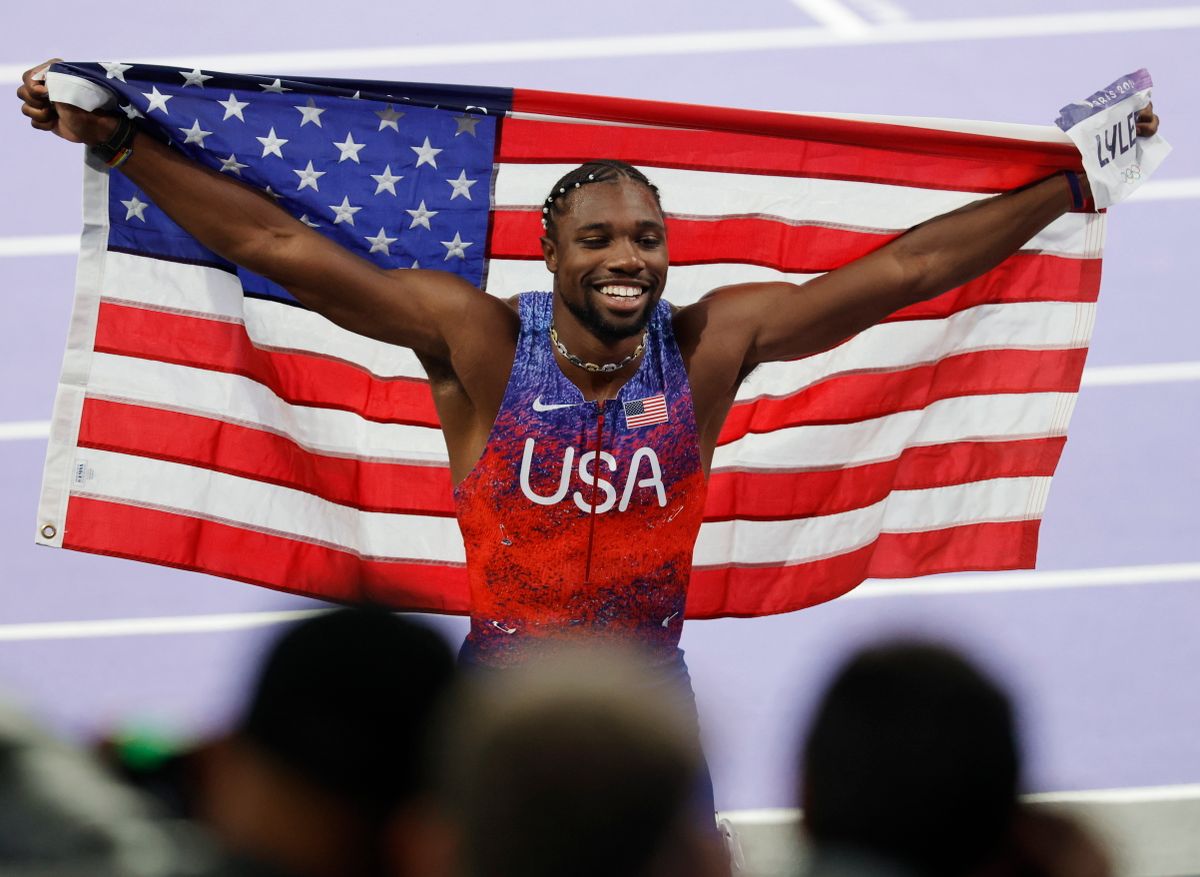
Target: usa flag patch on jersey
645,412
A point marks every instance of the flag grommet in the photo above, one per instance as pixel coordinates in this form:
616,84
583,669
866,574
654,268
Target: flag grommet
49,531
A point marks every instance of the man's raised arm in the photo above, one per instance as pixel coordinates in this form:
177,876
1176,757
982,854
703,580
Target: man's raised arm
780,321
422,310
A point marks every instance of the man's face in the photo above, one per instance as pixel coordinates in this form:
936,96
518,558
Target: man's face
609,257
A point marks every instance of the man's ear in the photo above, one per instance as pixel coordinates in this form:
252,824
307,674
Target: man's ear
550,253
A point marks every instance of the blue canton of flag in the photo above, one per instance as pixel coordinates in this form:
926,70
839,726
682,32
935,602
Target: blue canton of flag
402,181
646,412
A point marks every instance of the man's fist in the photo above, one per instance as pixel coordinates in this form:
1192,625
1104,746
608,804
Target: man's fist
68,122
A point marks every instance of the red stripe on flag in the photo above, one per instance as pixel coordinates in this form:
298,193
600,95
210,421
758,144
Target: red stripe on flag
299,378
855,397
368,485
292,565
754,590
849,150
782,495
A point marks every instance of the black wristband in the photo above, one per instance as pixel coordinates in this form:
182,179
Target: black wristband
119,145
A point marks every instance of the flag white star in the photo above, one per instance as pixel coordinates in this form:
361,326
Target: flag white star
115,69
233,107
131,111
344,212
157,100
271,144
276,87
456,247
349,148
232,165
386,181
195,134
308,177
194,77
421,216
134,207
426,154
461,186
415,264
271,193
308,221
389,117
311,113
466,124
380,243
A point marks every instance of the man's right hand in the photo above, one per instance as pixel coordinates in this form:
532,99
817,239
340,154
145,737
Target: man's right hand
67,121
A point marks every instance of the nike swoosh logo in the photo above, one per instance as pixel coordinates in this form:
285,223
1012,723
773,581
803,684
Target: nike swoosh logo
539,405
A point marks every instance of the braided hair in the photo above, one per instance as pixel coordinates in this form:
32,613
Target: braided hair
604,170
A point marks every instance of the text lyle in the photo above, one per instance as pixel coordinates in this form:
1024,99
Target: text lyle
1116,140
643,458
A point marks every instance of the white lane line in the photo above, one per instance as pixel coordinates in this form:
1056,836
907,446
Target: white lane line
38,245
148,626
833,15
881,11
15,430
17,246
631,45
1135,794
938,584
1095,376
1152,373
1030,580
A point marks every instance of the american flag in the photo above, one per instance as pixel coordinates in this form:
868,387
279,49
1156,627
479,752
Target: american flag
205,420
645,412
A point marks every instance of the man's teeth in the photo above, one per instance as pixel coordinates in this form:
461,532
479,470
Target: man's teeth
621,291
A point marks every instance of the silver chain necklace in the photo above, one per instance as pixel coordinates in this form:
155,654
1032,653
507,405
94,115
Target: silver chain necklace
591,366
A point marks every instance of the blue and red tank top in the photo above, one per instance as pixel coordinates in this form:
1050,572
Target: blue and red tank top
580,518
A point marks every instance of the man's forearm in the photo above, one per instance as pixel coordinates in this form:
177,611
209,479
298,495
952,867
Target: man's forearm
230,218
952,249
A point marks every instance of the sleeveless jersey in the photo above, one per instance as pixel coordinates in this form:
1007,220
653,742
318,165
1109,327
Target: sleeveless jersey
580,518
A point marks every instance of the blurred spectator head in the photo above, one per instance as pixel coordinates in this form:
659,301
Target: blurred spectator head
332,744
570,767
912,758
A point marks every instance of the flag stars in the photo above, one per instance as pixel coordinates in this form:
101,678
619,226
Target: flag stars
271,193
380,242
304,218
466,124
271,144
115,69
233,108
310,112
389,118
461,186
195,134
158,100
426,154
421,216
308,177
135,208
194,77
130,111
344,212
386,181
275,87
231,165
349,149
456,248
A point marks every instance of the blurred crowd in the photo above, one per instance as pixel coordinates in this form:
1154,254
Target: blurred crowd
364,752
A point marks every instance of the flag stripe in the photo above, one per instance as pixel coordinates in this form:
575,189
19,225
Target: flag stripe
261,558
756,590
780,494
525,140
426,489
